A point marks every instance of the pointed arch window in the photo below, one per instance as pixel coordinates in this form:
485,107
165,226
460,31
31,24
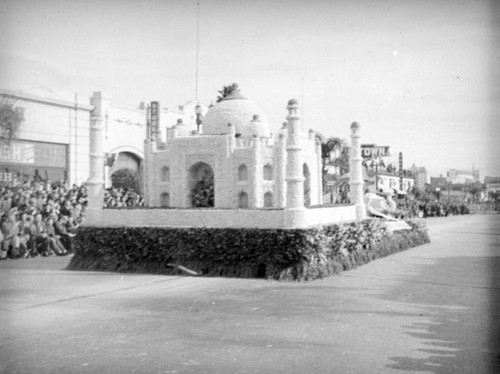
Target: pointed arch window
165,174
268,200
243,173
268,172
242,200
165,200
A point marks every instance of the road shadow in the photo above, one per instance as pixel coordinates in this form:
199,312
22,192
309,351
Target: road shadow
454,331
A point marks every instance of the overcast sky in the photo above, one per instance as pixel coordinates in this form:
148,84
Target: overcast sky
419,76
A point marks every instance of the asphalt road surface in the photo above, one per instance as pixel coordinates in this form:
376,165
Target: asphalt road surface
431,309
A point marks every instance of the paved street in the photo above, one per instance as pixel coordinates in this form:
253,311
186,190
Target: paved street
431,309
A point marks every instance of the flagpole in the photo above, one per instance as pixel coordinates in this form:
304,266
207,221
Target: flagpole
197,46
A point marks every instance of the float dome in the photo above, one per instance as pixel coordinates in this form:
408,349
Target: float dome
234,109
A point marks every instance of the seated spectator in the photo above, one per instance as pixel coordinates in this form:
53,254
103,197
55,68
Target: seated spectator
3,254
61,229
25,234
65,208
54,241
39,242
10,231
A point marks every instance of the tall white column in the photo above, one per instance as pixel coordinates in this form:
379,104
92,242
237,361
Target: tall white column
319,172
281,170
256,200
95,183
356,182
294,172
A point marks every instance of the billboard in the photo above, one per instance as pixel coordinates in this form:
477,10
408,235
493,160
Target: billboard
372,151
33,153
369,151
25,159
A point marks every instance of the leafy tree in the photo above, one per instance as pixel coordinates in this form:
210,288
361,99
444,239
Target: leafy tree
11,118
342,162
334,153
126,178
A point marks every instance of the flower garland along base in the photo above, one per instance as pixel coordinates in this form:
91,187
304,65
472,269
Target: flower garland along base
281,254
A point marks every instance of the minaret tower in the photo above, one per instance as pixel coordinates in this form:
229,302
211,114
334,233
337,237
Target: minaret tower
294,173
356,183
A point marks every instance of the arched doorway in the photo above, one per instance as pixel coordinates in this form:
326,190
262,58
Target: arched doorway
125,171
201,185
268,200
307,185
165,200
242,200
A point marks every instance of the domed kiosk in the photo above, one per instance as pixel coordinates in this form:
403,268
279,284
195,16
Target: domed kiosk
236,163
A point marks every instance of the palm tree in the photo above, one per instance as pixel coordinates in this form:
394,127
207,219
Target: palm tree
333,153
226,91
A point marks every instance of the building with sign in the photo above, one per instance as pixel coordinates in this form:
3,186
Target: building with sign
378,174
463,176
53,140
492,189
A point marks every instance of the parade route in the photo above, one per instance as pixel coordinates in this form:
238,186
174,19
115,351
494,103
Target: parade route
431,309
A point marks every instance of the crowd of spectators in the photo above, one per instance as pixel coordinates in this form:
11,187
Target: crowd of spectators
119,197
413,207
40,219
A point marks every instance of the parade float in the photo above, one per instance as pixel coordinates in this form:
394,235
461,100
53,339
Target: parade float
235,200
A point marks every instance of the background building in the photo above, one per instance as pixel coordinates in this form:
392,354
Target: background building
492,189
53,140
456,176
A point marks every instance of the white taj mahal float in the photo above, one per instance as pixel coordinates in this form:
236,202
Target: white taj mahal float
251,178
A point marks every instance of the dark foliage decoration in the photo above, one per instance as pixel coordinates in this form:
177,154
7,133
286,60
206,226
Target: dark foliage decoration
293,255
126,178
202,195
